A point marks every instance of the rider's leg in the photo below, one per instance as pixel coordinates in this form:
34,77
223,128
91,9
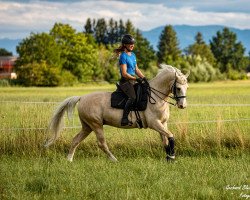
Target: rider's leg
128,88
127,108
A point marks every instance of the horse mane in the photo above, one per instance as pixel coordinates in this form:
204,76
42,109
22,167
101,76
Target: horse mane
164,68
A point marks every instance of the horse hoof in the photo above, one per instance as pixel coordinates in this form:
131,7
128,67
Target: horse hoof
113,158
70,158
170,158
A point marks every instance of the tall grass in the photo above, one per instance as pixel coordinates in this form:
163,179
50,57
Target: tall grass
198,129
212,153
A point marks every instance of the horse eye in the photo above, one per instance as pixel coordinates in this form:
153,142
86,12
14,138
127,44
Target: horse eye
179,89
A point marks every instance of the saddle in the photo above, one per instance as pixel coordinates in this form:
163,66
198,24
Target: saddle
119,99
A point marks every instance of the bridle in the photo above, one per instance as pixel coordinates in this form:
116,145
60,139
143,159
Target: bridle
174,95
174,92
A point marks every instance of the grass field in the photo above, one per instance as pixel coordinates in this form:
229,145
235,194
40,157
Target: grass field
212,145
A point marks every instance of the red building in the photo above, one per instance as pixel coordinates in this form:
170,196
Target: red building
7,67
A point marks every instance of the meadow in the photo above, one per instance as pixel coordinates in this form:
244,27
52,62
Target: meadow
212,145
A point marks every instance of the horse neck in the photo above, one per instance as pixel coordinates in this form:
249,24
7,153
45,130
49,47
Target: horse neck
162,82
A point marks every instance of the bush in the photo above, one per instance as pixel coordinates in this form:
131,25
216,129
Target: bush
67,79
4,83
236,75
200,69
151,71
39,74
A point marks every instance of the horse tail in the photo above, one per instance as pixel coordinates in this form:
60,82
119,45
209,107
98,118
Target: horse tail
56,123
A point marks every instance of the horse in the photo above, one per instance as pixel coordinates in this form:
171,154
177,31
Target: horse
94,111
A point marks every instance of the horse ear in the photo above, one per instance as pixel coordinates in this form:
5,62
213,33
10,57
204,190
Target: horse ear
179,78
187,74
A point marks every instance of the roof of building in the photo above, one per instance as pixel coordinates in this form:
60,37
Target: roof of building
8,58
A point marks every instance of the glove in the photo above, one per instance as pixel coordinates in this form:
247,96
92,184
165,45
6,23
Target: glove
139,80
145,81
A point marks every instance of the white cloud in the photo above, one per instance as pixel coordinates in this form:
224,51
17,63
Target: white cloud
17,20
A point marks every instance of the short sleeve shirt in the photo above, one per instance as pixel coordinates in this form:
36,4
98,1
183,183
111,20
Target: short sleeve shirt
130,61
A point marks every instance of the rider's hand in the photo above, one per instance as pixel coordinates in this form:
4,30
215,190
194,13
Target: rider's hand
144,79
139,80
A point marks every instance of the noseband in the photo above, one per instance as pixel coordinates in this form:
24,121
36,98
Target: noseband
174,92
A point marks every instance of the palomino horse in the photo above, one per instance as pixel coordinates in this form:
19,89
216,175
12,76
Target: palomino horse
95,111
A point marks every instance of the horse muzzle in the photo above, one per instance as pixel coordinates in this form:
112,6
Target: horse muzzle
182,103
181,106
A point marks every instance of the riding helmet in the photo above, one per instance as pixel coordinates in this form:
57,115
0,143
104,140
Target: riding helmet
128,39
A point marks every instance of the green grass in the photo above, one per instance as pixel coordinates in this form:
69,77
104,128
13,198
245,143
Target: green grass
210,156
51,177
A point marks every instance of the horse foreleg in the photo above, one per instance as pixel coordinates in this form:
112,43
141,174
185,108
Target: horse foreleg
167,139
76,141
102,143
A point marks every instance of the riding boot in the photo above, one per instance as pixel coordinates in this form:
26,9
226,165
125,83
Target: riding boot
127,108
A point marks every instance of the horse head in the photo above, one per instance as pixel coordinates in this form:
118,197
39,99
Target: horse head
179,89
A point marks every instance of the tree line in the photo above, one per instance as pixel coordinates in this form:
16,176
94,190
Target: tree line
222,58
65,57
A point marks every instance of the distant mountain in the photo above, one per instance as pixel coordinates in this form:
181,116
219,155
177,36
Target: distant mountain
186,35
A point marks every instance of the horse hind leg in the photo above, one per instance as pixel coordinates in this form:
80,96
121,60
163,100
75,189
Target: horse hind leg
102,143
86,130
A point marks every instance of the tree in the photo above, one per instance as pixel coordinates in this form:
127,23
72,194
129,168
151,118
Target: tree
248,62
199,48
228,52
121,30
57,58
88,27
39,62
108,64
168,50
38,48
4,52
78,55
39,74
112,32
199,38
100,32
144,51
129,28
200,69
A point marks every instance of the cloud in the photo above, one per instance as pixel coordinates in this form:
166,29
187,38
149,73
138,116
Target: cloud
17,19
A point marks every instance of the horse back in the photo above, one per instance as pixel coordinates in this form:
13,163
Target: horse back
94,102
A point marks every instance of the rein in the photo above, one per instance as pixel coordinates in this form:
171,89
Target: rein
173,91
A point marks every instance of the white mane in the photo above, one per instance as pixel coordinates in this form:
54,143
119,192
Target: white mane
181,78
169,68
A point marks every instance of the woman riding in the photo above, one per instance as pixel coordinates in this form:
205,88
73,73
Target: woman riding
128,70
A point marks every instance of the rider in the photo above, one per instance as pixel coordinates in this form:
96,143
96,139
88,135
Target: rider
128,70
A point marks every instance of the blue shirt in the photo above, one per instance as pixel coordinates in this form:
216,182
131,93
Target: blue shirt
130,61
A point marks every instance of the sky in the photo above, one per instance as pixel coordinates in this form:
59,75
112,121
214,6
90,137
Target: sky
18,18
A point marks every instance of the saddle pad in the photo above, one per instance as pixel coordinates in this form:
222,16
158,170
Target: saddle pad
119,99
